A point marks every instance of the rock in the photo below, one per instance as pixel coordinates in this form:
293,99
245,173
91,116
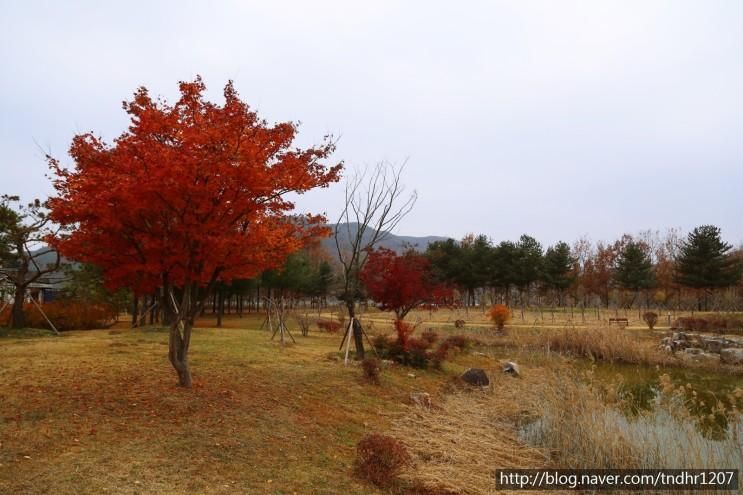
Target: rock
731,356
476,376
421,399
713,345
693,350
668,348
511,368
411,375
679,344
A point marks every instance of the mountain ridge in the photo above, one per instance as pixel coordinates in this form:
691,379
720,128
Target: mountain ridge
395,242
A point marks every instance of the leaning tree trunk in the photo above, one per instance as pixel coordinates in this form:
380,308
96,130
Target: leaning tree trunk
178,344
17,317
180,333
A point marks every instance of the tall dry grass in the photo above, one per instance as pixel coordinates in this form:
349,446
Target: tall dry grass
559,419
586,427
607,344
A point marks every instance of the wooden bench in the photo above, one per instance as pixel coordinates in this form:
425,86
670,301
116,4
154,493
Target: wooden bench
619,321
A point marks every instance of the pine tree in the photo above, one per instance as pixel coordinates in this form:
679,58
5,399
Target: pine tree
528,264
634,269
557,268
704,263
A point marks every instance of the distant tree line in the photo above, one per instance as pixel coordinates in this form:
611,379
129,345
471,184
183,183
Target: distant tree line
700,271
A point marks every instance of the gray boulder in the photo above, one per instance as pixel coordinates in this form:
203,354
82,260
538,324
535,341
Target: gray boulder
476,376
731,356
713,345
693,350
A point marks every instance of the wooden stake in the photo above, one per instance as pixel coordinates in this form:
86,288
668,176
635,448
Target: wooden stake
38,306
348,341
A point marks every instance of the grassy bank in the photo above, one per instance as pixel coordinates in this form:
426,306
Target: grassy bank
99,412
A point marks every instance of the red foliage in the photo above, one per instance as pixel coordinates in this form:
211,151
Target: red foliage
401,283
453,342
380,459
66,315
716,324
404,331
191,193
500,314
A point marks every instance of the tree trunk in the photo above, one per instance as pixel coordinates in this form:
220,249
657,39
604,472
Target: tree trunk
178,344
135,310
17,318
358,335
220,308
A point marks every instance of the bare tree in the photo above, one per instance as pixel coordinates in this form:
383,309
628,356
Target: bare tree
23,231
375,203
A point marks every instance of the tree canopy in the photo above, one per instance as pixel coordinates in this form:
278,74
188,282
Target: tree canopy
191,194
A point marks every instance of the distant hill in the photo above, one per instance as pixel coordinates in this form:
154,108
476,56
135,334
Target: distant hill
394,242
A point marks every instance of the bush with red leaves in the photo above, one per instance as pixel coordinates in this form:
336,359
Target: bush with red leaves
66,315
380,458
452,343
331,326
717,324
500,314
430,336
419,353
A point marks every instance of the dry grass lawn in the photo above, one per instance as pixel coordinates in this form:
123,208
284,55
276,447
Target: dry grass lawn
99,412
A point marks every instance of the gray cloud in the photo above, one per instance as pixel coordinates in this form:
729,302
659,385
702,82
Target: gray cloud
554,118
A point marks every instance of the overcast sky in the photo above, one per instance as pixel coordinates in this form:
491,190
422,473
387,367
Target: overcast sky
559,119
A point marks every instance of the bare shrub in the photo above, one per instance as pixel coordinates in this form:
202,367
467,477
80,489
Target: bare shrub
380,459
371,369
304,325
650,319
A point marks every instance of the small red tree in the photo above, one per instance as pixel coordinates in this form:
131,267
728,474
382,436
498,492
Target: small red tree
500,314
401,283
191,194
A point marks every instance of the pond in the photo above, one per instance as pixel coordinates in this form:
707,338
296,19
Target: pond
704,391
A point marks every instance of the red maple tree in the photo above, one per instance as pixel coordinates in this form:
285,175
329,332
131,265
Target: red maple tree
191,194
401,283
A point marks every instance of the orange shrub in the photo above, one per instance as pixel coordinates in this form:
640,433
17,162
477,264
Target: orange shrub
500,314
66,315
